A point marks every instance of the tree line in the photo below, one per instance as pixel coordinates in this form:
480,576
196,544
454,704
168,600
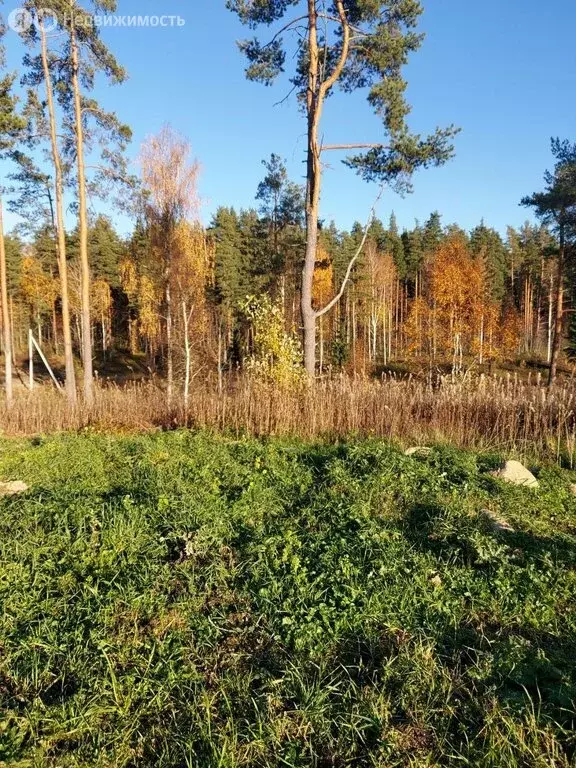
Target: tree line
432,293
259,288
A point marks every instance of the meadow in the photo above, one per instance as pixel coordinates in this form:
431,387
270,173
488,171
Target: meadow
187,598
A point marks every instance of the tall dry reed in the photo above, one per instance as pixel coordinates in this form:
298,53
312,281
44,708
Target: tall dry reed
483,412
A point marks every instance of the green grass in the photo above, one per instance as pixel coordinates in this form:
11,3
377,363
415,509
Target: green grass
186,599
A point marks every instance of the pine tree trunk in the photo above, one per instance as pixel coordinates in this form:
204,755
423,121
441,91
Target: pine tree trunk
82,227
315,96
550,317
559,315
312,195
60,231
6,330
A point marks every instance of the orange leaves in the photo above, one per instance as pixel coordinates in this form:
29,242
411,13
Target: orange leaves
455,316
456,283
323,284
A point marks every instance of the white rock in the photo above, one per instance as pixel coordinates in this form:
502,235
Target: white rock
496,522
418,450
515,472
573,488
12,487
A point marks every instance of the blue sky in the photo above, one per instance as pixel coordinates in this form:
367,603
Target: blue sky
502,70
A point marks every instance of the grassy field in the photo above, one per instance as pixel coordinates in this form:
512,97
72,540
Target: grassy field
183,599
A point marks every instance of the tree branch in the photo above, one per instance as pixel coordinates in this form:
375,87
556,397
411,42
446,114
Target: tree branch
328,147
353,260
285,28
324,16
329,82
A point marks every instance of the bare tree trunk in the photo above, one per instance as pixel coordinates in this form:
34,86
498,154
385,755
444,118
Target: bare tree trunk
82,226
60,231
186,319
312,194
104,333
549,329
55,330
13,343
559,316
6,329
315,96
219,357
169,355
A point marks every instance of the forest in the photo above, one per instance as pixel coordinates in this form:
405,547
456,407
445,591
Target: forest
258,290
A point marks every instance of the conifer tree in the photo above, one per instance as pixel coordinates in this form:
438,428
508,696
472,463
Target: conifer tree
11,128
40,73
356,44
82,56
556,206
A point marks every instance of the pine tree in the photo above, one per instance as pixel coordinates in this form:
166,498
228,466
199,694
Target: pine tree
357,44
487,245
11,128
106,251
83,56
556,206
40,72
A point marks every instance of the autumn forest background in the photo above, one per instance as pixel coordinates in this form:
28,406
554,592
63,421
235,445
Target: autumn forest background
272,296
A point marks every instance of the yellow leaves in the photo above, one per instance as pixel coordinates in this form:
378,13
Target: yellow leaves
149,310
277,355
129,278
170,178
40,290
323,283
101,303
190,261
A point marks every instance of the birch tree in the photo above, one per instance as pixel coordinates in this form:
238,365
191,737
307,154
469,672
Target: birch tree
170,179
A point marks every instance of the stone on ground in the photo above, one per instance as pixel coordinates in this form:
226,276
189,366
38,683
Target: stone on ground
418,450
515,472
496,522
12,487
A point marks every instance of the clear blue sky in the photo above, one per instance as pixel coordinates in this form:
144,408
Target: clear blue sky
502,70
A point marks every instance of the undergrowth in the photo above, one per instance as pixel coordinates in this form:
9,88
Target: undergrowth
187,599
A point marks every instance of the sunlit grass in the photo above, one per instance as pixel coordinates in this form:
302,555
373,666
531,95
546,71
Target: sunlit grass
184,599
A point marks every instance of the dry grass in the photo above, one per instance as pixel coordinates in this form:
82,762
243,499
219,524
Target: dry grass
482,412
